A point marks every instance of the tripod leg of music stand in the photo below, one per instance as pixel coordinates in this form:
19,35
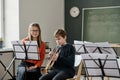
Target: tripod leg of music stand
7,69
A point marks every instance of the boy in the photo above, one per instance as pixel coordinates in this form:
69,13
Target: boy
63,67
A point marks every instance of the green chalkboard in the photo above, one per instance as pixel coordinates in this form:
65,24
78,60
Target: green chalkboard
101,24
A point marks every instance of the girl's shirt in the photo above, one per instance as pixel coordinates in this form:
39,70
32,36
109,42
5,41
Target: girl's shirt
41,51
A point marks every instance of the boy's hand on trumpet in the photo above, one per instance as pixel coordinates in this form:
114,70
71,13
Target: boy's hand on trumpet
53,56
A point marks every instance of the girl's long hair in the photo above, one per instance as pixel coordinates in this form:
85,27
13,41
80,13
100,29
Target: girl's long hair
39,40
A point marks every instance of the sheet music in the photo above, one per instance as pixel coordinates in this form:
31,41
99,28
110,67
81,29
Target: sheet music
31,42
78,46
20,55
98,47
33,54
112,72
90,47
31,48
109,63
106,48
94,72
18,45
102,44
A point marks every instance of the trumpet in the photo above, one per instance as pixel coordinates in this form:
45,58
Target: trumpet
51,62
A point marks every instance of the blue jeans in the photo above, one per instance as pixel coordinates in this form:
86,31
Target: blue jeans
55,75
21,71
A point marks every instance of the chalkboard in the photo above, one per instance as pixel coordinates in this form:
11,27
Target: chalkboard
101,24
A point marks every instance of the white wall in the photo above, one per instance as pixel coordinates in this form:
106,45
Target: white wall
48,13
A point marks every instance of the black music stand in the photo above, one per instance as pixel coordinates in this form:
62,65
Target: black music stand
90,47
80,47
28,50
100,65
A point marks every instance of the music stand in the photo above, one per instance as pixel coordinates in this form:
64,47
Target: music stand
90,47
80,47
104,47
28,50
100,65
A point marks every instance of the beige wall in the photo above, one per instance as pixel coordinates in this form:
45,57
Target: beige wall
20,13
48,13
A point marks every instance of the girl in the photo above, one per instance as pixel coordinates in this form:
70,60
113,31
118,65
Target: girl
34,34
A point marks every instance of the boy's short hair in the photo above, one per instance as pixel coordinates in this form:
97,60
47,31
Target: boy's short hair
60,32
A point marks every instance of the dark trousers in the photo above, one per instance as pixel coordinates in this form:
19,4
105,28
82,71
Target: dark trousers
55,75
23,74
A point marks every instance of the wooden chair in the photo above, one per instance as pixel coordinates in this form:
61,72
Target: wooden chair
78,63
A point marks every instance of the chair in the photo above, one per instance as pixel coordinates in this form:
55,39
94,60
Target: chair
78,63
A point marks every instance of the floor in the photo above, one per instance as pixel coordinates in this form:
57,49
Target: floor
98,78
